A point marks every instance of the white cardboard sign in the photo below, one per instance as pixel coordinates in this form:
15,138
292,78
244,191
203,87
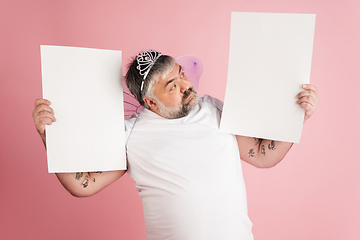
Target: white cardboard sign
85,88
270,58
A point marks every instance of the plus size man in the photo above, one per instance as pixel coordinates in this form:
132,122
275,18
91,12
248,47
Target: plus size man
187,172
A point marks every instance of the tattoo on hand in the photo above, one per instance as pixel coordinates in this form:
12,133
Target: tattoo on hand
85,183
251,153
263,149
271,145
78,175
93,179
98,172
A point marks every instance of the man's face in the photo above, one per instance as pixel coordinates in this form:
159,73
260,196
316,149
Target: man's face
175,96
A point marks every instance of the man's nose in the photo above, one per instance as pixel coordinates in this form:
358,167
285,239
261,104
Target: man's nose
185,85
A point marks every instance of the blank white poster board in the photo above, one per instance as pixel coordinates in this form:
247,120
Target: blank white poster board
270,58
85,88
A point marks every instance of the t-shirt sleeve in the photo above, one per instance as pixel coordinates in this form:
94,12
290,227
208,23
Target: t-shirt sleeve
214,101
128,125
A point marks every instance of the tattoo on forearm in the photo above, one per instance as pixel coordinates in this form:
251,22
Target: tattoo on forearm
263,149
257,140
271,145
78,175
251,153
85,183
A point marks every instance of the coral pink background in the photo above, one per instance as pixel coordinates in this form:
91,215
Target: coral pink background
313,194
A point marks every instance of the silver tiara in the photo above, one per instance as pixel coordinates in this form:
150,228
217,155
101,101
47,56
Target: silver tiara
146,60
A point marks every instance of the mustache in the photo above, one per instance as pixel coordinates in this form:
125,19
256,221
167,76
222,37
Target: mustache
187,93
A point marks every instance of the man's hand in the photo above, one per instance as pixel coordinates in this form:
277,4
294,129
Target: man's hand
43,115
267,153
308,100
80,184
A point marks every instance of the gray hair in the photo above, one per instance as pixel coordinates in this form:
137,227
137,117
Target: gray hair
163,66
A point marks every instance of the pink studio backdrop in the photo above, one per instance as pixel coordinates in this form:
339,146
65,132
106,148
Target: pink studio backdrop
313,194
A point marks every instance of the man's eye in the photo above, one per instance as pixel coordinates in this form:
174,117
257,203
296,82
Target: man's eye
173,87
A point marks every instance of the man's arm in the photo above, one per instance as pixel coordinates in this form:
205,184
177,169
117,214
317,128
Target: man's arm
81,184
264,153
84,184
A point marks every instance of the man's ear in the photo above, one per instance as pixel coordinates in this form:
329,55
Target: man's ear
150,102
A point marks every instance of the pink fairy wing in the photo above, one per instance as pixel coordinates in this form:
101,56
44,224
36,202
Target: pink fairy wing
192,67
131,105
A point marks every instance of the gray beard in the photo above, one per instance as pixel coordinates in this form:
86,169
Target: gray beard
181,111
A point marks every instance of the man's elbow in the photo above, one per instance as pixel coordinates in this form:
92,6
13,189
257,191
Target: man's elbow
267,163
81,194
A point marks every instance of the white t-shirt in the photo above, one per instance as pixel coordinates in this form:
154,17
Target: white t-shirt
188,175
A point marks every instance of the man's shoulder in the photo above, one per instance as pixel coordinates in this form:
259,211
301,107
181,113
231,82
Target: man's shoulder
209,100
129,122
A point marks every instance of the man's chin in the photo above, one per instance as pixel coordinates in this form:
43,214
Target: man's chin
180,113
